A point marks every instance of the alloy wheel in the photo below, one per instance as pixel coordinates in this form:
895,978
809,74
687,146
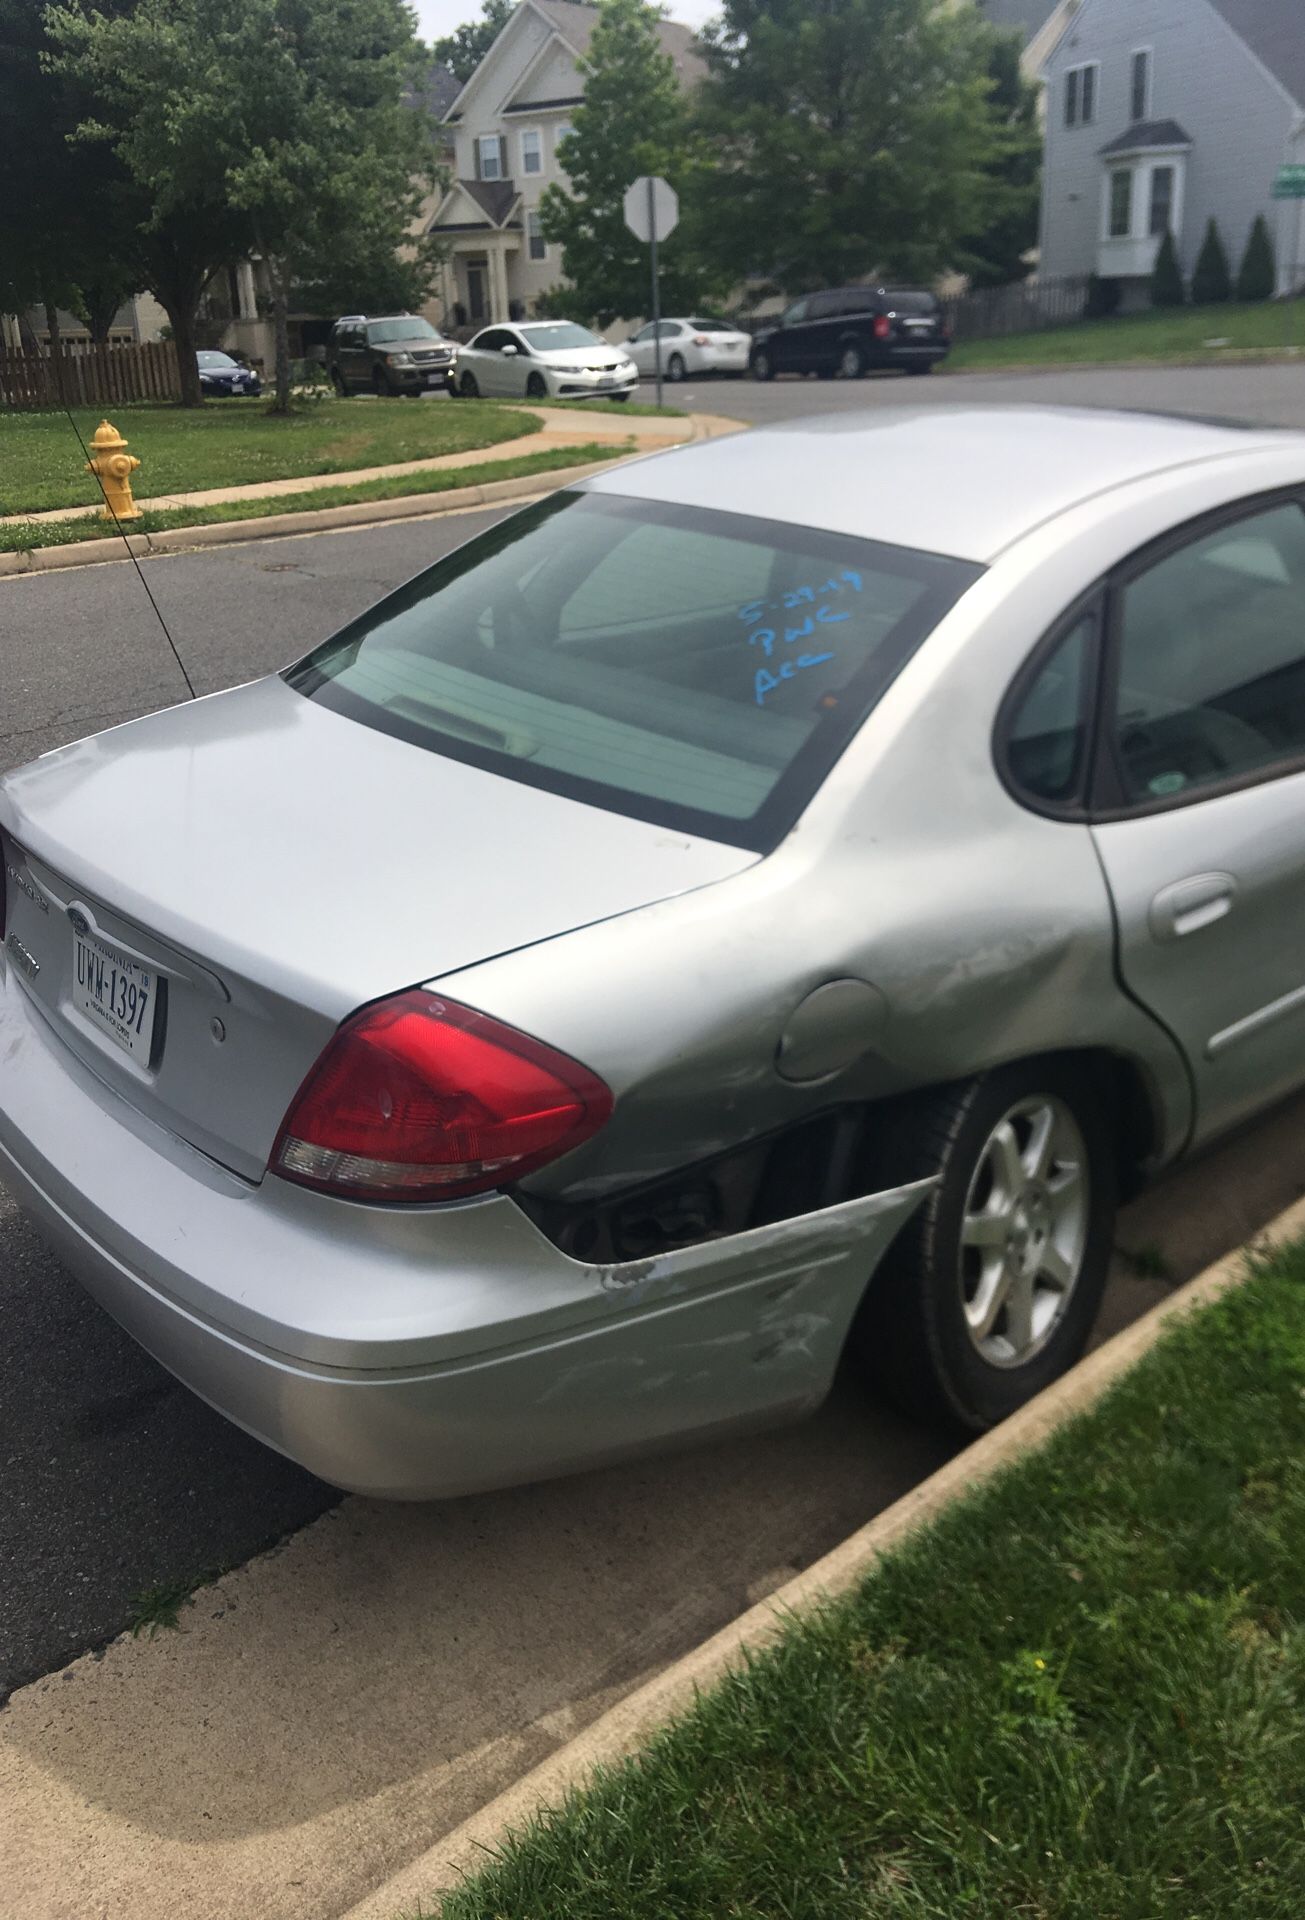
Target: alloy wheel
1024,1231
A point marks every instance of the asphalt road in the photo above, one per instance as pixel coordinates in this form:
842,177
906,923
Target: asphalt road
115,1480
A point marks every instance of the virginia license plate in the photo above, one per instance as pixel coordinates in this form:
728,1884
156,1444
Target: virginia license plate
115,993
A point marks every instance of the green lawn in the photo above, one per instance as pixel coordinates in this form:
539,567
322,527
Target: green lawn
231,443
26,536
1080,1696
1181,334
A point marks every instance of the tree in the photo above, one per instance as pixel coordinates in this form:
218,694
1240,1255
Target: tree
1167,288
634,120
853,136
64,230
999,254
1257,276
463,50
1212,280
285,127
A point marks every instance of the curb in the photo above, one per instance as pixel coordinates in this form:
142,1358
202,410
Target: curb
274,526
361,513
631,1722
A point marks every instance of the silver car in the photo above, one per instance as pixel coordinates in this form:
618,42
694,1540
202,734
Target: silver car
543,360
760,904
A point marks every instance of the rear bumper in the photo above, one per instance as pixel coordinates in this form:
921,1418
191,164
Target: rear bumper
418,1353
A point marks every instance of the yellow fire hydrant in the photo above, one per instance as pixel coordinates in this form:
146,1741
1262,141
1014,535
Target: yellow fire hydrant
113,467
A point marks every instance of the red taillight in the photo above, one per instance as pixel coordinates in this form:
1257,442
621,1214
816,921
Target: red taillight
883,326
417,1098
701,340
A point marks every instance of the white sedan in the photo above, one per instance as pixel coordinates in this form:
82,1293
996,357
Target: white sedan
689,346
543,360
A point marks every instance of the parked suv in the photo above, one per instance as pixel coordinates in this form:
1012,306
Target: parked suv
850,330
394,353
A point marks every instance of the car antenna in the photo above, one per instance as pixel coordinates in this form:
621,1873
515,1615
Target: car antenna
131,555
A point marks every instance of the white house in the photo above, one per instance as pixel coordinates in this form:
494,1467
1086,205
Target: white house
506,125
1163,114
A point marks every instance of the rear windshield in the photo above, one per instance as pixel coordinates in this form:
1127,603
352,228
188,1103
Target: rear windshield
381,332
562,334
898,302
711,326
701,670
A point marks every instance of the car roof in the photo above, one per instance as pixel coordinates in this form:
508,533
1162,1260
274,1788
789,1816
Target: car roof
964,480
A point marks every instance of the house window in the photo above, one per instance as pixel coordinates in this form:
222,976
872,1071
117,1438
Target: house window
1081,95
489,157
1162,200
1121,203
532,151
535,235
563,133
1140,102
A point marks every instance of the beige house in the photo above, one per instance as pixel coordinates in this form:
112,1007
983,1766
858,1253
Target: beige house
506,125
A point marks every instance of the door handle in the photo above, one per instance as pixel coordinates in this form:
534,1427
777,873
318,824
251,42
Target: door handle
1190,905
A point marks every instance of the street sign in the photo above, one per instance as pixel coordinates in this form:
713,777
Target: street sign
652,208
1289,185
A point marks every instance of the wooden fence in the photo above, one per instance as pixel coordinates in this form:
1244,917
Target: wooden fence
1030,306
86,376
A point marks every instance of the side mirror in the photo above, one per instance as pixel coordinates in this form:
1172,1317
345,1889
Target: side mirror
509,350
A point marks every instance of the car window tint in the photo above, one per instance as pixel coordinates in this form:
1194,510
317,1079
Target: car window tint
824,305
798,311
1046,735
688,666
1212,659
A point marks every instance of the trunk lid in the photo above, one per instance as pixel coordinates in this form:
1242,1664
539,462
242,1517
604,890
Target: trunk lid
257,867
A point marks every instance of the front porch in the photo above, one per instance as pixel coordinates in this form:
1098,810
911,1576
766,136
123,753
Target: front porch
480,223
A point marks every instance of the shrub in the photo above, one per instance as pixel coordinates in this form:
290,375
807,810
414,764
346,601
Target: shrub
1167,288
1258,272
1212,280
1103,297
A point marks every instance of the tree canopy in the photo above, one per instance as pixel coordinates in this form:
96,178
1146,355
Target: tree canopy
285,133
463,50
854,136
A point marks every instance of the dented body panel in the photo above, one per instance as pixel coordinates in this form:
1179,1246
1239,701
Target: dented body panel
475,1353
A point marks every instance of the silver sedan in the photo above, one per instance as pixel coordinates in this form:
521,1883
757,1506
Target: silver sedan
760,904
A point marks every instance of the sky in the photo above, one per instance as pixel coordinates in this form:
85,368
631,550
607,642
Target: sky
438,17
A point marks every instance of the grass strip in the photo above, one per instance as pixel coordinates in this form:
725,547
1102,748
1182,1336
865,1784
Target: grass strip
229,443
20,538
1177,335
1078,1696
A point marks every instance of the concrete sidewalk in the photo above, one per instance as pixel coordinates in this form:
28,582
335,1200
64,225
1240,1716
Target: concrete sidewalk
558,428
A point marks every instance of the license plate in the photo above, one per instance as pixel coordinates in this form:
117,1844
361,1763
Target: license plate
436,379
920,326
116,994
607,381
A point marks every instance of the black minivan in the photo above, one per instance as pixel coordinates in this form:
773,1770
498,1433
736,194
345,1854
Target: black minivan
850,331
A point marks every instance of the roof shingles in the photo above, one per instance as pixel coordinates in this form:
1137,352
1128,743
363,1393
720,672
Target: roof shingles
1274,30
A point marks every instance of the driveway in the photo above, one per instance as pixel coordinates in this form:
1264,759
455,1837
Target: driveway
117,1481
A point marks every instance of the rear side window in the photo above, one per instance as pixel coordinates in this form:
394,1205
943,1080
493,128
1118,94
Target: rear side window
695,668
1211,683
1046,733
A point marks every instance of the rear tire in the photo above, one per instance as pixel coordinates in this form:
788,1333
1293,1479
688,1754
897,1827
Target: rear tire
763,367
851,362
468,387
991,1290
917,371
